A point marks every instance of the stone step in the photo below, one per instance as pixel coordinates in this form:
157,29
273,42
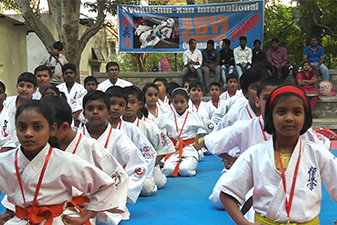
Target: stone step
330,123
326,107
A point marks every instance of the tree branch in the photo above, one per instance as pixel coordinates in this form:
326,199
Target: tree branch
55,9
39,28
91,31
324,27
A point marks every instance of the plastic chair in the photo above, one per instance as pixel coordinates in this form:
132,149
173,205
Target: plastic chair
326,132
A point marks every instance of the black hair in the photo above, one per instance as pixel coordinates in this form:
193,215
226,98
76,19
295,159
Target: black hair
180,91
263,64
161,79
215,84
269,125
232,76
90,78
97,95
42,68
110,64
27,77
58,45
117,91
256,41
305,63
46,110
148,85
186,81
243,38
314,37
171,86
275,40
227,41
269,81
191,40
210,42
56,90
134,90
195,84
68,66
2,85
252,75
61,108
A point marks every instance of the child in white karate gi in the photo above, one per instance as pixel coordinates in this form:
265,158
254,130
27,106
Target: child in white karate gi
286,171
214,92
151,92
34,181
161,83
184,128
119,100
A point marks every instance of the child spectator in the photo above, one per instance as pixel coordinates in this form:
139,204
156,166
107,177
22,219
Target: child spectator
42,161
184,128
214,92
53,90
279,196
186,84
119,101
43,77
161,83
169,88
306,79
90,83
195,92
232,87
26,87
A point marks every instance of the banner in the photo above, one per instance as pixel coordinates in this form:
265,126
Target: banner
169,28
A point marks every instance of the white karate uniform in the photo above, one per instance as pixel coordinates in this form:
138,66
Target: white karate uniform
147,150
256,168
220,112
243,135
242,112
161,143
225,96
6,141
161,103
37,95
107,83
63,172
193,126
7,124
204,109
10,102
127,154
74,97
160,112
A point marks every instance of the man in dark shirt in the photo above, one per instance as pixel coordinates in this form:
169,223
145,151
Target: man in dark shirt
210,63
258,53
278,56
226,60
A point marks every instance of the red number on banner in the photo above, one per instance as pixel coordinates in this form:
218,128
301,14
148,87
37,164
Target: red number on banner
188,29
224,28
214,28
201,29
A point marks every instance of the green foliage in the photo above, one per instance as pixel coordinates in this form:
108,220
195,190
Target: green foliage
110,6
127,62
154,59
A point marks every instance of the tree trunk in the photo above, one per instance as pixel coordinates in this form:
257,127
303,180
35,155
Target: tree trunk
142,61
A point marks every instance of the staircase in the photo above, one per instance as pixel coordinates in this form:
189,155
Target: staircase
324,113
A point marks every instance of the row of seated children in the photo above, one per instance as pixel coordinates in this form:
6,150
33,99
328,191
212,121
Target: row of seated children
179,114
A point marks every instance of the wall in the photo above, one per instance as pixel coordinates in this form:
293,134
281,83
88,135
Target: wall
13,56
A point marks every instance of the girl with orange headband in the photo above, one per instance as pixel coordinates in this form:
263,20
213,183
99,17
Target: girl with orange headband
285,171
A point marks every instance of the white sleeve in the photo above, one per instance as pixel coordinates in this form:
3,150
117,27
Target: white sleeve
185,60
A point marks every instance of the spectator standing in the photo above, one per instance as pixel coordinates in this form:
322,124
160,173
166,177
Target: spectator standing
192,59
226,60
242,56
278,57
210,63
315,55
258,53
55,60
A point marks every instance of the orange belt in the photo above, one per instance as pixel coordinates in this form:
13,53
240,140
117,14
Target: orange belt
79,200
39,213
180,144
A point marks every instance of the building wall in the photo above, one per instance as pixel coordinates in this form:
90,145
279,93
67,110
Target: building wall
13,56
